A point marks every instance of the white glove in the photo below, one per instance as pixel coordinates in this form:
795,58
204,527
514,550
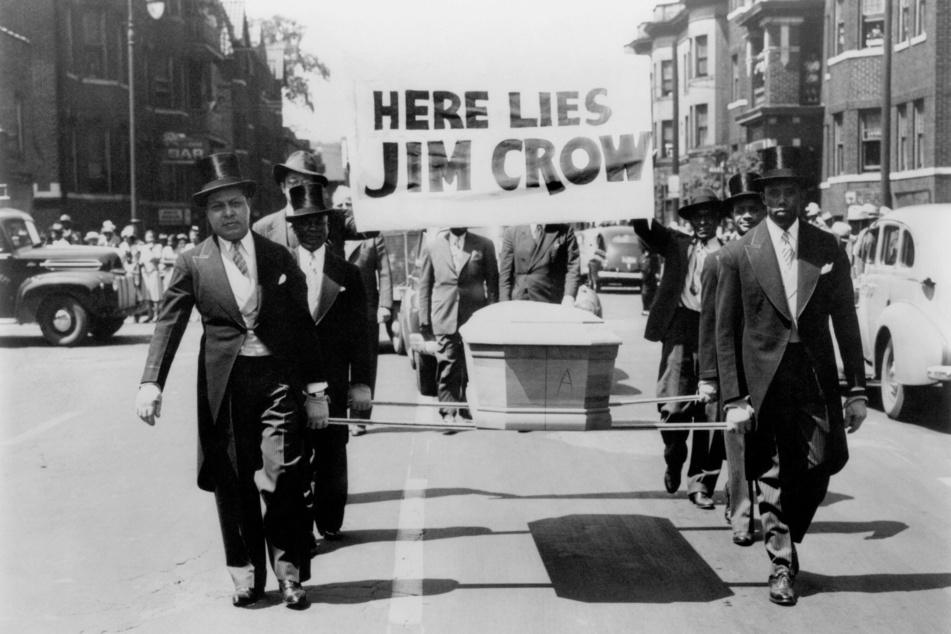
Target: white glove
382,315
739,419
317,407
148,402
360,397
708,391
568,300
855,412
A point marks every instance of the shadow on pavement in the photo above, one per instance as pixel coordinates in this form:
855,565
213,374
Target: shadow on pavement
367,590
880,529
39,342
389,496
623,559
356,537
810,584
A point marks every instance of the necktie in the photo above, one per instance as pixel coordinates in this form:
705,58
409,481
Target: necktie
700,254
788,252
538,233
456,251
239,259
313,293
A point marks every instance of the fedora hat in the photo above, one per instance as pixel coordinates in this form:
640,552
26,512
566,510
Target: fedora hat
301,162
307,200
741,186
703,198
783,162
219,171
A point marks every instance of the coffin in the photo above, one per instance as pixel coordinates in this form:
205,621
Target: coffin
535,366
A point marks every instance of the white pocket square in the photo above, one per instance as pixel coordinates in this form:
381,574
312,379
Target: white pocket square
825,269
282,279
343,288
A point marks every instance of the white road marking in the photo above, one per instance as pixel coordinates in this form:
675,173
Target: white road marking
945,481
39,429
406,602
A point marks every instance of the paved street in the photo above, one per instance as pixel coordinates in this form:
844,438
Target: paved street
104,530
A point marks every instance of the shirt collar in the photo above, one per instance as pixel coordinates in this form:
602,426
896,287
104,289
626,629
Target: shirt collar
247,242
776,232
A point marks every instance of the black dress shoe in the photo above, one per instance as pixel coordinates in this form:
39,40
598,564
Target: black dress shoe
293,594
333,536
702,500
727,511
243,597
671,481
742,538
781,590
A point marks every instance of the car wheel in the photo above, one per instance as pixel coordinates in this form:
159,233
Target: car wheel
102,329
63,320
426,381
894,394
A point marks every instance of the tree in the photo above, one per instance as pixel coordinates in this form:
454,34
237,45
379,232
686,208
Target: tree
299,65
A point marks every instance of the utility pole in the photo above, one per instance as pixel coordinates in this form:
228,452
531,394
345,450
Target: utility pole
886,142
675,159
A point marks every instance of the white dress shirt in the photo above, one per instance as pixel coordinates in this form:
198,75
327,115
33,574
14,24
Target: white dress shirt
456,244
312,264
790,272
245,290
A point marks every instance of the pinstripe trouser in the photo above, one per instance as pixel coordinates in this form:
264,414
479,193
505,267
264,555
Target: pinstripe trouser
790,447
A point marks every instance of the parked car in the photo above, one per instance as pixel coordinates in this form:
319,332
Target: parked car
401,248
70,291
904,302
611,255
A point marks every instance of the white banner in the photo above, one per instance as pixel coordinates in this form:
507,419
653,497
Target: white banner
514,142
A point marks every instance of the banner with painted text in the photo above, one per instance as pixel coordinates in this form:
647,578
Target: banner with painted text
544,140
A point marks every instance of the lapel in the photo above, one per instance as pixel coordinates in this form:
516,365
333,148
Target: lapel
762,257
282,233
467,245
268,266
211,271
542,246
330,287
810,266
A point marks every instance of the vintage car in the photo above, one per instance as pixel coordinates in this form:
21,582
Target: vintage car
610,255
904,302
71,292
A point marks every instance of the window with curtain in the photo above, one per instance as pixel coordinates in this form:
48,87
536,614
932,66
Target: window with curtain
702,126
870,132
666,78
701,56
873,23
918,128
839,159
903,144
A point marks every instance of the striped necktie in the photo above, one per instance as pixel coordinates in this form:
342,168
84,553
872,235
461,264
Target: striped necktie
239,260
789,254
700,254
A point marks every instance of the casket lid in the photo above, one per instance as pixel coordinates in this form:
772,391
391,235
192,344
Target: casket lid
537,324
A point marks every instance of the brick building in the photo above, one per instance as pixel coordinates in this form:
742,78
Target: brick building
201,86
920,113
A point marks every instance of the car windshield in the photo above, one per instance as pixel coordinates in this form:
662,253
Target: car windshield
22,233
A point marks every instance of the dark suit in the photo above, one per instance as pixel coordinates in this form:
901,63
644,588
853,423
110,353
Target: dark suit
249,427
542,272
447,298
374,264
341,227
678,329
341,327
798,439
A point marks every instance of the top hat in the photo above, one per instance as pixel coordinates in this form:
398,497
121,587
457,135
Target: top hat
307,200
741,186
783,162
220,171
302,162
703,198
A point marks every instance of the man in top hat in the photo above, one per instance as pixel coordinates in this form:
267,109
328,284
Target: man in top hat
540,263
777,288
458,276
745,205
337,303
260,382
299,168
674,320
107,235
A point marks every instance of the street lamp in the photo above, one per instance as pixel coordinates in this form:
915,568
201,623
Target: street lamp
156,9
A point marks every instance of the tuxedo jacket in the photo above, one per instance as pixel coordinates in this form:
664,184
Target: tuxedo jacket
341,227
284,326
374,265
674,247
447,296
754,324
341,321
543,272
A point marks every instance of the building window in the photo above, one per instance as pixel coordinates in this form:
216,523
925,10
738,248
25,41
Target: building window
838,20
919,17
666,78
163,83
918,127
91,173
94,44
700,120
904,20
685,132
870,132
667,138
701,56
735,67
904,147
839,144
873,23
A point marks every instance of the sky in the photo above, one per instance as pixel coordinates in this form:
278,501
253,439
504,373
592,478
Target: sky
356,37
